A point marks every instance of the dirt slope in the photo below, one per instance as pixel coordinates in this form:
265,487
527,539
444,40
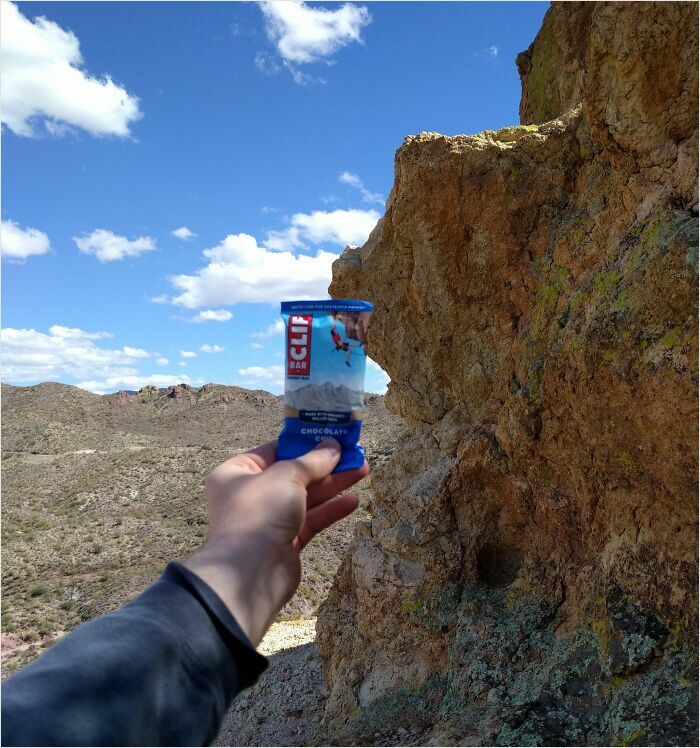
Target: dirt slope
99,492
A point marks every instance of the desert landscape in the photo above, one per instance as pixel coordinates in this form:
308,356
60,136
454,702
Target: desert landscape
523,568
99,492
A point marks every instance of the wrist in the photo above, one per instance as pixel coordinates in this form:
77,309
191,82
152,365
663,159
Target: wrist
238,578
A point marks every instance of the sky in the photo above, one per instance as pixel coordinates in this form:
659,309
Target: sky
172,171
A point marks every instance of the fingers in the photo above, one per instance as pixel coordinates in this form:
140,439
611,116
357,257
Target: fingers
312,466
325,515
251,461
332,485
264,455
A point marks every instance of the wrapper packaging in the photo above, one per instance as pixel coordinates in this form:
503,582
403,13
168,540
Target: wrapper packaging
324,382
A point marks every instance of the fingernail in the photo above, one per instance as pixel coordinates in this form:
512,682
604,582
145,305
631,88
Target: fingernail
334,443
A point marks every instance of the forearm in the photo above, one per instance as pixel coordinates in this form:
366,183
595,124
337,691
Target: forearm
160,671
241,571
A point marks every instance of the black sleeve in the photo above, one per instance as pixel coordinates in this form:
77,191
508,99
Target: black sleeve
162,670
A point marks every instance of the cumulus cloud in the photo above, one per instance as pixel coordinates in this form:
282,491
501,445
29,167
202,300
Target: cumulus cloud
59,331
212,315
303,34
257,346
43,81
183,233
107,246
162,361
64,352
493,51
133,382
267,376
206,348
20,243
276,328
188,354
241,271
340,227
355,182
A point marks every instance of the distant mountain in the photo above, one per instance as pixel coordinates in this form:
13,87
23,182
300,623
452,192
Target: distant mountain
100,491
52,417
326,396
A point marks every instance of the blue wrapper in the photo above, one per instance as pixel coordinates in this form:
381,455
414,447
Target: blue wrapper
324,383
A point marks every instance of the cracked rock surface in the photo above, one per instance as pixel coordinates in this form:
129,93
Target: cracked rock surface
528,574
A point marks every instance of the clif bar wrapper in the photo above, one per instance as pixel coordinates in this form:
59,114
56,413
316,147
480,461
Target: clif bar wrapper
324,383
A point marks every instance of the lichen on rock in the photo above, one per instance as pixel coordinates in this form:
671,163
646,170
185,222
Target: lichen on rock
529,574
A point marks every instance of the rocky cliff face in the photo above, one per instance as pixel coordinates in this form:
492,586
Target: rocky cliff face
529,575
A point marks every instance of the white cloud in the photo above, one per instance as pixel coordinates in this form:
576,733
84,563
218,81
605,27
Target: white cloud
20,243
206,348
188,354
182,363
212,315
135,352
162,361
42,80
276,328
303,34
493,51
257,346
266,64
241,271
354,181
183,233
65,352
340,227
298,76
59,331
132,382
107,246
269,376
162,299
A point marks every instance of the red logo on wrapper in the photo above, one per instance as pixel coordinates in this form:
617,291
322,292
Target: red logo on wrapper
299,345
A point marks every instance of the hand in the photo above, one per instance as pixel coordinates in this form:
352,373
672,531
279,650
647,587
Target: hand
261,515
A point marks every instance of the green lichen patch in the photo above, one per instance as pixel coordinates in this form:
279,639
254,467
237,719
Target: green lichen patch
512,681
544,70
670,338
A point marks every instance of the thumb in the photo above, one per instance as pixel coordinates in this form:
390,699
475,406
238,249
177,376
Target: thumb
314,465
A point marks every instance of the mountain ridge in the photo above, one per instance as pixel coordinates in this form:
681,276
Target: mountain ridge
100,491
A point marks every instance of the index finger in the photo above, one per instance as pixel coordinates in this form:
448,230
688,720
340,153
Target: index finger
253,460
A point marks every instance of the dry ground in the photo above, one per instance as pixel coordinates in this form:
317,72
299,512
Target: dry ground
99,492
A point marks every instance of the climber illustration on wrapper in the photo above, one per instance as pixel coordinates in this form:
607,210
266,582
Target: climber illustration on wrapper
344,345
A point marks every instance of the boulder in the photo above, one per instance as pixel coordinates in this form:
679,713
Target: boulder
529,573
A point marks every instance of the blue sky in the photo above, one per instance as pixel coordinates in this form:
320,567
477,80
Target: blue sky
265,132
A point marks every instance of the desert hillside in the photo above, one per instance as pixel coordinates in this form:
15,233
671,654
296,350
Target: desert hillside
99,492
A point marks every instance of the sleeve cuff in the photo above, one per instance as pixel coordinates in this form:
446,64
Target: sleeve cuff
251,663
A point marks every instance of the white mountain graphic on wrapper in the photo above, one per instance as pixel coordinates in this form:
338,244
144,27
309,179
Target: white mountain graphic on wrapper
326,396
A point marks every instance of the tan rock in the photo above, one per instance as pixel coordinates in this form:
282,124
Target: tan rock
531,565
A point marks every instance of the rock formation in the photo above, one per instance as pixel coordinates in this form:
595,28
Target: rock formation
529,575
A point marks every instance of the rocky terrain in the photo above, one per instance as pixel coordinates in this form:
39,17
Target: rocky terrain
528,573
99,492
